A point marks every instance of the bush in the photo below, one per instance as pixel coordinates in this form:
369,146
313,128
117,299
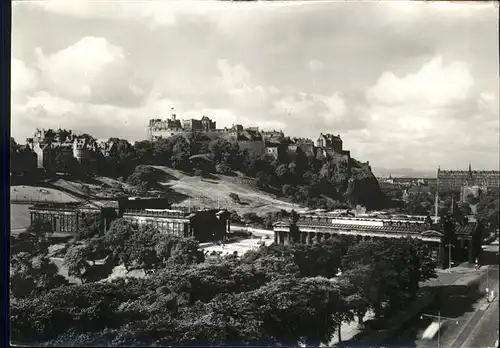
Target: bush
235,197
222,168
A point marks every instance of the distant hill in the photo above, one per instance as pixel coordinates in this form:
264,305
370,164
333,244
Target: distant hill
403,172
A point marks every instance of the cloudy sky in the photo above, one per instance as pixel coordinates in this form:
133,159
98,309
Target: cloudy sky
405,84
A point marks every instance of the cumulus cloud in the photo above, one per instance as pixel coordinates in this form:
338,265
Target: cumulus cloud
329,109
431,117
23,78
434,85
235,80
91,70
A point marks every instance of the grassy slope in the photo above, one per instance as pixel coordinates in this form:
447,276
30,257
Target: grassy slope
43,194
210,192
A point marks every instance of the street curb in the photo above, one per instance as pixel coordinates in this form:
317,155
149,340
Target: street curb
483,308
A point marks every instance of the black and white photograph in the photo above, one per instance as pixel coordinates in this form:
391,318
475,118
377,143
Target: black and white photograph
217,173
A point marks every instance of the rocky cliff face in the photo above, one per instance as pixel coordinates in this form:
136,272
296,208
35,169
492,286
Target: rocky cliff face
363,187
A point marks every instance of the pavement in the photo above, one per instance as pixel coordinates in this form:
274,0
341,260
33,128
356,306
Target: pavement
241,246
350,330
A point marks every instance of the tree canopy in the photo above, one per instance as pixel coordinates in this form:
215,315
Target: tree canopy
283,294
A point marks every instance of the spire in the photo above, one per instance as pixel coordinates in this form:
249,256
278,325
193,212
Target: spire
470,170
436,206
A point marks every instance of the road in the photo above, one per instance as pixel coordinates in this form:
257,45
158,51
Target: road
482,331
485,333
467,322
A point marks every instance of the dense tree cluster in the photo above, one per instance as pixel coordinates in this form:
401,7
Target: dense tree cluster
283,294
131,246
488,207
315,181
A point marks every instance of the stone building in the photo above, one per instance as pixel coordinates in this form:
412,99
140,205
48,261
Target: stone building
305,145
191,125
274,134
207,124
47,144
314,229
456,179
273,149
203,225
44,155
138,203
329,142
330,146
66,218
158,128
251,140
106,147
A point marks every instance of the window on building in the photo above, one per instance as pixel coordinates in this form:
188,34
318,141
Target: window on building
434,254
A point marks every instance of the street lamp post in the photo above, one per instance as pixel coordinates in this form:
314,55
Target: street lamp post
449,256
439,318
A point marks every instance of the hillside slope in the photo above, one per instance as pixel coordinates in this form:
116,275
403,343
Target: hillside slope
215,192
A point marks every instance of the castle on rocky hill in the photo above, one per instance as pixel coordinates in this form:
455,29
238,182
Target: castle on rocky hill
258,142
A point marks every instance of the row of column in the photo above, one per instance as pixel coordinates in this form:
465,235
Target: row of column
59,222
284,237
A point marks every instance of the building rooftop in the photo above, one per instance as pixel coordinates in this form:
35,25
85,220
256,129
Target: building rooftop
57,205
94,204
104,204
401,228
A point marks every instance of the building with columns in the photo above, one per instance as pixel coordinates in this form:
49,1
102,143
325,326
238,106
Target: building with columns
66,218
203,225
314,229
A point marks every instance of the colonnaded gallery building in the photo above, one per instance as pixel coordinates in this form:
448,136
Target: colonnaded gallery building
316,228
